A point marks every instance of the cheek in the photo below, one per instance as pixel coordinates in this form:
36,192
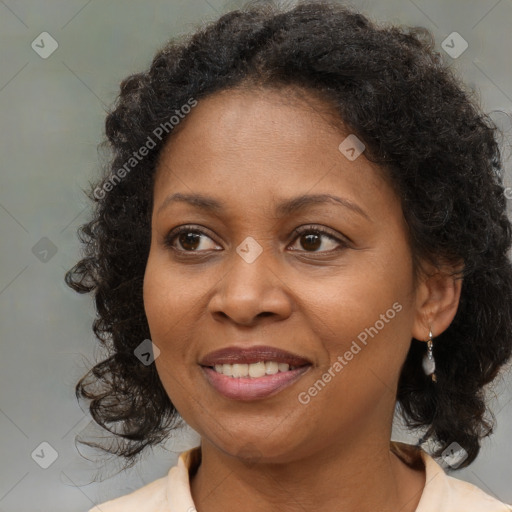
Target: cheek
364,352
175,300
166,306
168,296
366,315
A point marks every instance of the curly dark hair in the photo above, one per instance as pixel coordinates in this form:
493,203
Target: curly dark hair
417,120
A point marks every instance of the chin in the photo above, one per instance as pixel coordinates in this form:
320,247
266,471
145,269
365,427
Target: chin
254,447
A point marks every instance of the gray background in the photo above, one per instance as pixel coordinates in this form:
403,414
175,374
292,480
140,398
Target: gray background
52,115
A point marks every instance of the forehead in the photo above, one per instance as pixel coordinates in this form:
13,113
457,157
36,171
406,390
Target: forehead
226,116
241,141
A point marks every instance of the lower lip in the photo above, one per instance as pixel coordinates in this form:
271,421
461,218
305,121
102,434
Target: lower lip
247,388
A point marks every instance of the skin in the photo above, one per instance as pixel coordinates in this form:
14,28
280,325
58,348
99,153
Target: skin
250,150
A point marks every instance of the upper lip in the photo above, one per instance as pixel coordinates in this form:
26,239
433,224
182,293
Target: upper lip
248,355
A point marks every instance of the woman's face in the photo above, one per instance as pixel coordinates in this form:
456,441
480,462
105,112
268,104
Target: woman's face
340,306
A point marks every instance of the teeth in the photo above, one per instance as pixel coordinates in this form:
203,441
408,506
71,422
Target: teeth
257,370
271,368
254,370
240,370
226,369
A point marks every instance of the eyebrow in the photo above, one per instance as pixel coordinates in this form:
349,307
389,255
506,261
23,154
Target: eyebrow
284,208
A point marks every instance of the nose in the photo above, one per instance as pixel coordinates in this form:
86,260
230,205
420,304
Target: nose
252,290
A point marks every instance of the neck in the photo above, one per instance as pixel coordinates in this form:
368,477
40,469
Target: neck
356,476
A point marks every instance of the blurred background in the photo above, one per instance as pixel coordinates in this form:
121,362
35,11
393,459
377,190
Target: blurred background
61,65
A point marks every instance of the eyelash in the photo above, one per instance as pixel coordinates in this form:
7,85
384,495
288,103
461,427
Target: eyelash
174,234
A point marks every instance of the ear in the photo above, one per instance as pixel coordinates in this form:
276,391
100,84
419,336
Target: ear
437,301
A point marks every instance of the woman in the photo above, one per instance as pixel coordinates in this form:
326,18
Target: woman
302,225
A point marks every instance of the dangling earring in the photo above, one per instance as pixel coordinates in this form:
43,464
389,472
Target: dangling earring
429,364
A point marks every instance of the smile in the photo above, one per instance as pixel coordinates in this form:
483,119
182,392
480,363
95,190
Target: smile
253,370
245,384
252,373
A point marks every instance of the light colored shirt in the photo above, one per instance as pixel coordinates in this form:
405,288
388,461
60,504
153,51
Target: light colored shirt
442,493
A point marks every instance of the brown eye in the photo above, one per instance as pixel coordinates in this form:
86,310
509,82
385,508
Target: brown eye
187,239
311,242
317,240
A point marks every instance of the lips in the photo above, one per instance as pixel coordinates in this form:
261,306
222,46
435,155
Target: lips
231,371
249,355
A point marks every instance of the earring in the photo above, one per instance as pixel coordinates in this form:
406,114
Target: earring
429,364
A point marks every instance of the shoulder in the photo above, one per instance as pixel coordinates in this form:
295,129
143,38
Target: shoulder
150,498
466,497
445,493
171,492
